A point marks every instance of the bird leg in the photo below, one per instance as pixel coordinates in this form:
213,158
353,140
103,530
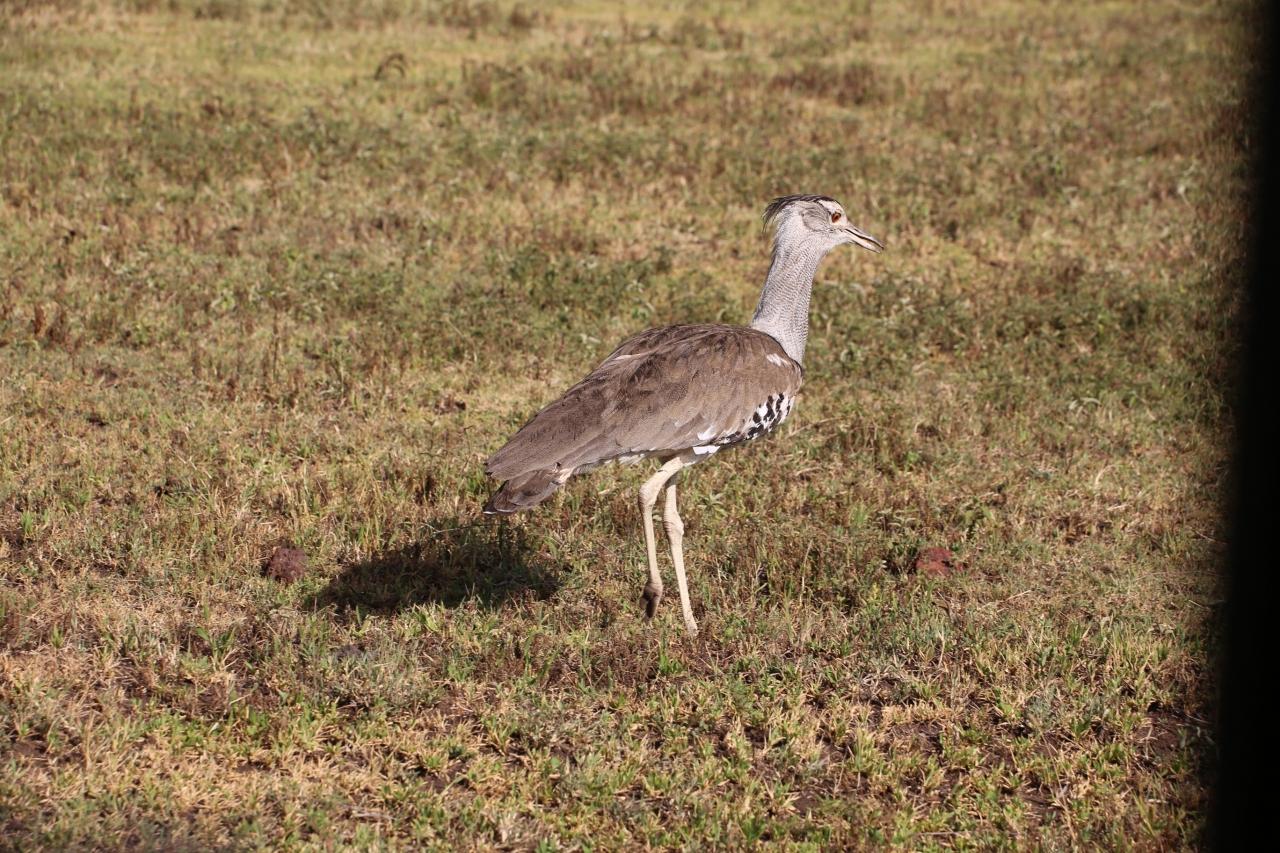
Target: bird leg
675,535
648,499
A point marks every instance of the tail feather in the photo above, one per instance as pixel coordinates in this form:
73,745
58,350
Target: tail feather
523,492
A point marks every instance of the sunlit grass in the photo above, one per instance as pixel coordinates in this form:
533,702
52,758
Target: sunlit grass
256,292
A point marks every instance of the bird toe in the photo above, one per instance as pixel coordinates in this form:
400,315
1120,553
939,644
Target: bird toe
652,595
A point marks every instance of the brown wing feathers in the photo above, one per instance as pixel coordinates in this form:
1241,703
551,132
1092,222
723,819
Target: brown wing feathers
660,392
523,491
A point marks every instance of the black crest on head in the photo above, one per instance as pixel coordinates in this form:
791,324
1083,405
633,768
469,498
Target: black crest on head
781,203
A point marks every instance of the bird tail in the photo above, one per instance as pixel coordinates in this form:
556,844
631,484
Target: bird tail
523,492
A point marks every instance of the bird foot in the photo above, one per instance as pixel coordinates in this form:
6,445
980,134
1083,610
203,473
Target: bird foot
652,595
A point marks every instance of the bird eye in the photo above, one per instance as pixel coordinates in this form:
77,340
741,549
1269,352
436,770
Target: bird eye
835,216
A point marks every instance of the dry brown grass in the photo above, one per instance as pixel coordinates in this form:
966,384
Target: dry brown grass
266,284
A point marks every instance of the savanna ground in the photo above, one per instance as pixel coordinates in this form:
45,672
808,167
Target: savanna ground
287,272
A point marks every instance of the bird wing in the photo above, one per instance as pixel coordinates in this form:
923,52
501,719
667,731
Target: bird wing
663,391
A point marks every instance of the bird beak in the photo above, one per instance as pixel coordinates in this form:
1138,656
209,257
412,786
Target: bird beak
863,239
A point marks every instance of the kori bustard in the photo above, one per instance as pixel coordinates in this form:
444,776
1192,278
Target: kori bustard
682,393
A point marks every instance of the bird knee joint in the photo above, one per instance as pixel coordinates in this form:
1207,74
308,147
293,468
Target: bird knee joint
673,525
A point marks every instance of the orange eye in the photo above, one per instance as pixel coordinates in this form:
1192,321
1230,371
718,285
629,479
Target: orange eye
835,217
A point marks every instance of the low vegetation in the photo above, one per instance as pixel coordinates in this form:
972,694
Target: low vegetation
278,274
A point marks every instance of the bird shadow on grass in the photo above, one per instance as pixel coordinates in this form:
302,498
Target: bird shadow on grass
487,562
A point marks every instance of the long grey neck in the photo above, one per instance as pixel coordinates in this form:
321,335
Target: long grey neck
783,312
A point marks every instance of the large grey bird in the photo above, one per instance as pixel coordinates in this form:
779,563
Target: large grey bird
681,393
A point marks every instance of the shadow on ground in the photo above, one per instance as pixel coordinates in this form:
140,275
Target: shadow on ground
486,562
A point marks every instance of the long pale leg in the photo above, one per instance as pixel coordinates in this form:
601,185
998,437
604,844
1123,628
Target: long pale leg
648,498
675,534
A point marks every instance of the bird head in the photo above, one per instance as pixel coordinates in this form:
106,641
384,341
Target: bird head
815,219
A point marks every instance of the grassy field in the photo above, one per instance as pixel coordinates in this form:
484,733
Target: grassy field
285,272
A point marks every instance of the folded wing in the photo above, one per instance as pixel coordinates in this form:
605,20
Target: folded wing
661,392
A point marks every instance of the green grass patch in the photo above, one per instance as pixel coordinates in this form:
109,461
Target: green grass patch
277,272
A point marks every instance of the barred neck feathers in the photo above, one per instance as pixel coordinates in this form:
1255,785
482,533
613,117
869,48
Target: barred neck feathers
783,312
